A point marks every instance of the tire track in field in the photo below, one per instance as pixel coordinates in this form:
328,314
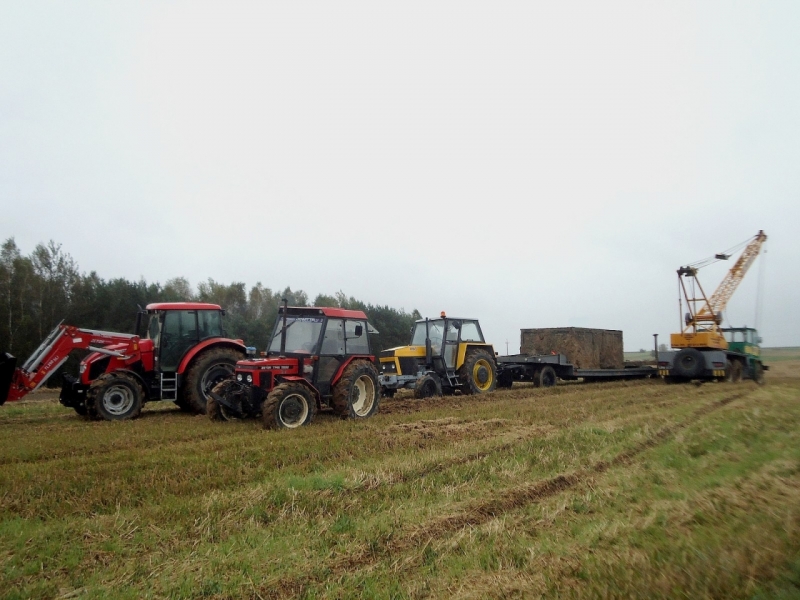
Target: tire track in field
478,513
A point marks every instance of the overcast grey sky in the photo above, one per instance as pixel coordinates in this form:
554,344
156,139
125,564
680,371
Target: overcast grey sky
532,164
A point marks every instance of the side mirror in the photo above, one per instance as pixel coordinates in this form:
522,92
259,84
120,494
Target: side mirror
359,330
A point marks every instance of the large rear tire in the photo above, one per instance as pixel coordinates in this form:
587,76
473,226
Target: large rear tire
689,363
478,373
207,370
116,397
288,406
357,394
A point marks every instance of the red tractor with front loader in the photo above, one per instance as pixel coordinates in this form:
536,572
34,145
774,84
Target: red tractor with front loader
181,356
318,357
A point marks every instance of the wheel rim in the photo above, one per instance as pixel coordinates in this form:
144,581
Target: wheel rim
213,376
293,411
118,400
364,392
482,375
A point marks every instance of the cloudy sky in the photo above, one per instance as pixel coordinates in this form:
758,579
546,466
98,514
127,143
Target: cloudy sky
532,164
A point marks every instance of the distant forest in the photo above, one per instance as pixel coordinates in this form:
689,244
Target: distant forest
42,289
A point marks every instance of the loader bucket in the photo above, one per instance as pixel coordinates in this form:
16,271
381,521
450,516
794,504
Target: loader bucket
7,365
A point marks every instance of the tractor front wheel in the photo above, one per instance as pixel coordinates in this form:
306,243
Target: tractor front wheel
215,410
478,373
357,394
428,386
116,397
207,370
288,406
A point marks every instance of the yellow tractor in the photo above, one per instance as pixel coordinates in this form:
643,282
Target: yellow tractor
446,355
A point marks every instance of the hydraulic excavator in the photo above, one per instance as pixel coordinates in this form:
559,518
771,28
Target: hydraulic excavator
704,350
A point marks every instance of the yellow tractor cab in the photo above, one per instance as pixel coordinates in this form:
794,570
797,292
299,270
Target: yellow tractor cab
446,355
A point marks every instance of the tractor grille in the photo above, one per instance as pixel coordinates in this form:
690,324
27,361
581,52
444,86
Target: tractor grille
408,366
265,380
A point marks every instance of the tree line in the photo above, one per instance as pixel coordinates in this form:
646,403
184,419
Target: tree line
40,290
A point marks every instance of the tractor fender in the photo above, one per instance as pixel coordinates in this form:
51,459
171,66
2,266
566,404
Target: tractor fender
301,380
346,363
139,378
204,345
465,347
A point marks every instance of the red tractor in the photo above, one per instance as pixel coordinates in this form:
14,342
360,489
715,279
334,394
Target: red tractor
318,357
181,357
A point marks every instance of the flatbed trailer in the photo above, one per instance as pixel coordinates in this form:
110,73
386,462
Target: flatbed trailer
545,370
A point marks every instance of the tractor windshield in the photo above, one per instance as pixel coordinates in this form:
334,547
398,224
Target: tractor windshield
435,330
302,335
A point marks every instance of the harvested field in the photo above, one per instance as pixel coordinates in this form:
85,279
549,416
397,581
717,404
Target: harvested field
583,347
601,490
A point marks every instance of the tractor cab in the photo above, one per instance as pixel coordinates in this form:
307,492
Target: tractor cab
446,354
744,340
311,347
174,328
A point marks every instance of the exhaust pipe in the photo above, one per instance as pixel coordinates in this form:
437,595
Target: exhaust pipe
8,364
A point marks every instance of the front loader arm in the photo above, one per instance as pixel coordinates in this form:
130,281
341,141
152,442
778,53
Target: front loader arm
15,383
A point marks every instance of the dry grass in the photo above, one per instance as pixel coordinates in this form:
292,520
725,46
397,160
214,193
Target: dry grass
605,490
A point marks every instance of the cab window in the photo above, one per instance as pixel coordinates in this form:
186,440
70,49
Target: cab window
356,344
470,332
209,323
333,342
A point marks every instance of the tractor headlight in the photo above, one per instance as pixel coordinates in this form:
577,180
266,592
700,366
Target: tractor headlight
249,379
238,377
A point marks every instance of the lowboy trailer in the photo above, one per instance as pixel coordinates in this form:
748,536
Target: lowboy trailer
545,370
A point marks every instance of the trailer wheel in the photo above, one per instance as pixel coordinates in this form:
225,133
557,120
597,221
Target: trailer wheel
357,394
479,372
288,406
733,371
505,380
546,377
207,370
428,386
688,363
116,396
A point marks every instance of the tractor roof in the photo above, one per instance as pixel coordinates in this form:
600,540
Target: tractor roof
341,313
183,306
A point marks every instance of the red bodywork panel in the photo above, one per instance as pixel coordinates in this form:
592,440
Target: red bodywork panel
216,341
122,347
288,369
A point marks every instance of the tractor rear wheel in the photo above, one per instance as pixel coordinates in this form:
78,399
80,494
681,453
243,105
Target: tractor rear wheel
207,370
478,372
116,397
688,363
546,377
428,386
288,406
357,394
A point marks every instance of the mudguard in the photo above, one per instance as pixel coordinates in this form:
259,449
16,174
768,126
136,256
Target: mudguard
8,364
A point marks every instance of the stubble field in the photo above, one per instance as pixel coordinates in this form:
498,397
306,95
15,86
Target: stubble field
601,490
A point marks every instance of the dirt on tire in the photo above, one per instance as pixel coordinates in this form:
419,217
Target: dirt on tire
192,393
345,390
